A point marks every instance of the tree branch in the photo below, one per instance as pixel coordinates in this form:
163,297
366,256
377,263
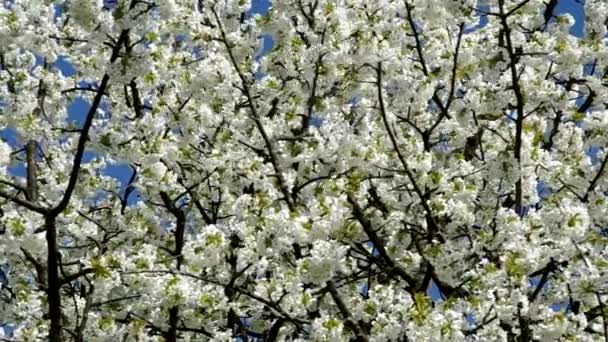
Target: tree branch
348,318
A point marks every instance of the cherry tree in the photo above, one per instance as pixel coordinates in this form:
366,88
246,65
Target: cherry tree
395,170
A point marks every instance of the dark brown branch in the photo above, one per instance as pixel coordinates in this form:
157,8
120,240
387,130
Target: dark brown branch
445,108
137,104
86,89
298,187
524,326
273,333
455,67
40,270
274,306
554,129
180,217
544,274
379,243
312,99
68,39
603,313
197,331
596,178
412,24
548,13
516,87
254,113
54,212
80,328
114,300
412,178
516,8
69,278
32,187
348,317
588,102
85,132
13,185
484,322
24,203
54,282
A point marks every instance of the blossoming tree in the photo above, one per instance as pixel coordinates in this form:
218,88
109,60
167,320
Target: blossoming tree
390,171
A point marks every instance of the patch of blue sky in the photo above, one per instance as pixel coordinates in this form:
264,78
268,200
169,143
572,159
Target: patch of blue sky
260,7
17,169
434,292
483,19
576,8
9,135
123,173
77,111
364,290
63,64
543,190
267,45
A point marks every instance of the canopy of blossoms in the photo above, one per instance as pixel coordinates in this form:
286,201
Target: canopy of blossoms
391,170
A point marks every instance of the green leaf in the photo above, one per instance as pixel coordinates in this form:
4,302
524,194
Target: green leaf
17,226
329,8
99,269
573,220
106,322
514,268
106,140
149,77
353,182
215,240
331,324
435,177
578,116
421,308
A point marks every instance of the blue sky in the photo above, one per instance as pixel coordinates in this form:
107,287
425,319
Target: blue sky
577,11
260,6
